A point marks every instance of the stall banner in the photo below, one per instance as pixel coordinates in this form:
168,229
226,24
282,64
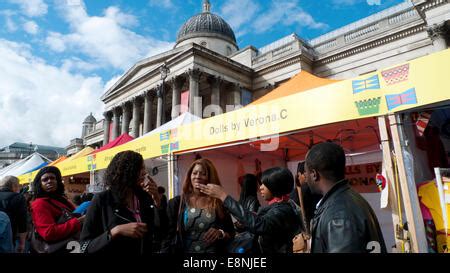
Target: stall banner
407,86
417,83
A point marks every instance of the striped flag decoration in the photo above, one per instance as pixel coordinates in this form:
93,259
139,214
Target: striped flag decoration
422,122
372,82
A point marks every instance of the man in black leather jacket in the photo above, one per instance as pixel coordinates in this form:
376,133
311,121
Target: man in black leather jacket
343,222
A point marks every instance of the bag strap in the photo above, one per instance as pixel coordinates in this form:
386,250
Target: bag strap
302,208
54,205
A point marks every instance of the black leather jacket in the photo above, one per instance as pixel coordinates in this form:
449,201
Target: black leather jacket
275,224
345,223
250,203
105,213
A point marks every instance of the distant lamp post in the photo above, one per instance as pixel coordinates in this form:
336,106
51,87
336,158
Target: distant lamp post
164,71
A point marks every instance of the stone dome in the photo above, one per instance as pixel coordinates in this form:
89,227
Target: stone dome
206,24
90,119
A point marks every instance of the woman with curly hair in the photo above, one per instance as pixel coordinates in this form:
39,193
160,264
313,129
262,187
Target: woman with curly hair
198,223
121,219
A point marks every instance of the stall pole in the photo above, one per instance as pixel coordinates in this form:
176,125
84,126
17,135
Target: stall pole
408,189
170,179
387,159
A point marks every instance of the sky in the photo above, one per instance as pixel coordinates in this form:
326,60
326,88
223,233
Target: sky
57,57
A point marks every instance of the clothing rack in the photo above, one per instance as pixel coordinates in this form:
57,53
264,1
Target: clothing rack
442,197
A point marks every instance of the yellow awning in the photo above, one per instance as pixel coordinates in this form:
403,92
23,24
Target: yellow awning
82,153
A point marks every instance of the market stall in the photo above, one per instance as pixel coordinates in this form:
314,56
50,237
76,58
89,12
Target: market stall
369,98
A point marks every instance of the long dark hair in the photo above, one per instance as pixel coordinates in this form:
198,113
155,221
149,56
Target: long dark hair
39,192
300,169
123,173
249,187
213,178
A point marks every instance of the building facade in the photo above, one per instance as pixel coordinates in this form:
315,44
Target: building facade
206,73
17,151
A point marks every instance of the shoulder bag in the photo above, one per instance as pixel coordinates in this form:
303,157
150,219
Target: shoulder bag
39,245
300,241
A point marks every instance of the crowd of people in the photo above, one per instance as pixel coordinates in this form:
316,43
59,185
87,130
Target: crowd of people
134,216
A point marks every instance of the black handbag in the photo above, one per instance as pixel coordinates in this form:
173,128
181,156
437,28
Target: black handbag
39,245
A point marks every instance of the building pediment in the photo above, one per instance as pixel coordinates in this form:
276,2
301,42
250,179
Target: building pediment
149,68
140,69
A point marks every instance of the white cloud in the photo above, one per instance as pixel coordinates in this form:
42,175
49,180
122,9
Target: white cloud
10,24
286,12
112,81
32,8
239,13
76,64
8,15
55,41
162,3
106,39
31,27
42,103
122,19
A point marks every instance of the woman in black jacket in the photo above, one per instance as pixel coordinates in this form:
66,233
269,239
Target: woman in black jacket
248,197
277,223
121,219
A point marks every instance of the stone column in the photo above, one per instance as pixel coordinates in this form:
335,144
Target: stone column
215,83
125,118
148,101
160,107
106,125
136,116
194,77
116,121
236,94
177,84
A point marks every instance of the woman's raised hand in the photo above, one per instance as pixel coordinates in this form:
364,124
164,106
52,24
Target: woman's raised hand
212,190
150,186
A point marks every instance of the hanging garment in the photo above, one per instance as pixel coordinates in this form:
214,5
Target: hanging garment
429,197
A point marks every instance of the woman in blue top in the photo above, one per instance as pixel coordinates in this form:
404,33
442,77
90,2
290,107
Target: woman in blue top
199,222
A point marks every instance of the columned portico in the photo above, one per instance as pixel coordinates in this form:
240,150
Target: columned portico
148,102
236,94
136,116
106,126
116,121
125,117
215,83
160,107
177,84
194,77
